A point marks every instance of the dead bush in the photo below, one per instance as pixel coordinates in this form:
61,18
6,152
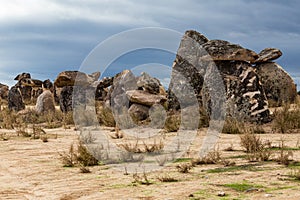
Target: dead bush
173,121
286,119
105,115
167,178
233,126
184,167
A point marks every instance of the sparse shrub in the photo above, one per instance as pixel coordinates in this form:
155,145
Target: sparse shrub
233,126
84,157
173,121
144,148
295,173
84,169
167,178
257,129
69,159
105,115
184,167
255,148
7,118
251,143
141,179
213,157
284,157
286,119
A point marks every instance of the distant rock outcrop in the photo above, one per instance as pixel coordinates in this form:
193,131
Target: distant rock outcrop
68,78
277,83
15,100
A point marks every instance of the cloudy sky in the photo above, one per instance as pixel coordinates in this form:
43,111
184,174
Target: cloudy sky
45,37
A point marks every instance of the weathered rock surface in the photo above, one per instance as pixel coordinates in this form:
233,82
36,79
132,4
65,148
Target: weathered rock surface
15,100
245,95
45,102
145,98
223,50
4,91
138,112
268,54
68,78
65,100
278,85
148,83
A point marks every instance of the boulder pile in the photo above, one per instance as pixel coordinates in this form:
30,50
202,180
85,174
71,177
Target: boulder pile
250,80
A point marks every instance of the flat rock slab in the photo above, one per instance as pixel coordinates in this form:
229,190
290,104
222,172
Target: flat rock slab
145,98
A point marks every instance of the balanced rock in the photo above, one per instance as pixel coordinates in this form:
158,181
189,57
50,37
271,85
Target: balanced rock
148,83
268,54
277,83
145,98
15,100
138,112
4,91
22,75
47,84
223,50
68,78
45,102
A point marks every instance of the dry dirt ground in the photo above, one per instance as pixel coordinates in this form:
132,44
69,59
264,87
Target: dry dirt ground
32,169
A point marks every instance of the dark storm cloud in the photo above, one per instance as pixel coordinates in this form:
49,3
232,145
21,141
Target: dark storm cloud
45,37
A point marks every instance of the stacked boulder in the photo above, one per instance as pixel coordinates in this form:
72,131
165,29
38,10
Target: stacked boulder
244,76
133,97
69,81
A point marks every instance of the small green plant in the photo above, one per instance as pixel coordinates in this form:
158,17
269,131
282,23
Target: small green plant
242,187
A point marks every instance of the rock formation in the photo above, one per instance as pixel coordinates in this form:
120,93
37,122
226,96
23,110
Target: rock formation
193,69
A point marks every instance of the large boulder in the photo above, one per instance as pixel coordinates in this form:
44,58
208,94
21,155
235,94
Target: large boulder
145,98
45,102
15,100
268,54
277,83
68,78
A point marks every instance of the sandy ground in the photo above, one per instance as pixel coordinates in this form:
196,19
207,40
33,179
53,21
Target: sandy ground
32,169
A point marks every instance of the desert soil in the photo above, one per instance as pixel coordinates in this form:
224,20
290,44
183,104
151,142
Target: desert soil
32,169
